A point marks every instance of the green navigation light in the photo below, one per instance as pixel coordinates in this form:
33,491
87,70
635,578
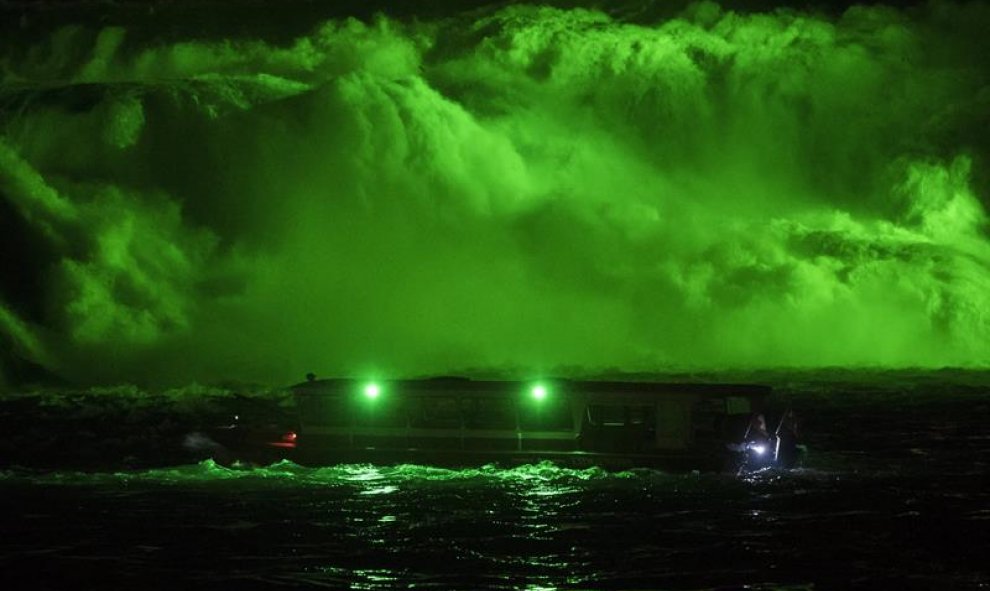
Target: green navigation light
372,391
539,392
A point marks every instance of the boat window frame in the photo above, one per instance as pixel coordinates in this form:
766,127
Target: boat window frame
627,414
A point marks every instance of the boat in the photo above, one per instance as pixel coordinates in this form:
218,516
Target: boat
455,421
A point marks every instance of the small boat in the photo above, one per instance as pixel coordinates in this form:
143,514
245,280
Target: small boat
454,421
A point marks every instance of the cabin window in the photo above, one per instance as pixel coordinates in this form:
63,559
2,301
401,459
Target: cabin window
332,411
607,415
613,415
641,415
489,413
546,415
737,405
380,413
436,412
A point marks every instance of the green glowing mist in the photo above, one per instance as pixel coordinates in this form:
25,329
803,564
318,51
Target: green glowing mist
530,188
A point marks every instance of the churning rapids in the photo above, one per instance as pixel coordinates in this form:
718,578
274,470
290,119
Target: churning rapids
890,495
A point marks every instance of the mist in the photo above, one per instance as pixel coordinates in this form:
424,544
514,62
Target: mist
523,188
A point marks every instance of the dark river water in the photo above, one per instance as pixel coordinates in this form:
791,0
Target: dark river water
891,494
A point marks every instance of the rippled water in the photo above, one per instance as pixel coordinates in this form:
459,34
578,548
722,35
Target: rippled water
890,496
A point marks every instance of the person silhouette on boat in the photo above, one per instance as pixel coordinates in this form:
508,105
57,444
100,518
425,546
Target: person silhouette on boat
757,446
787,451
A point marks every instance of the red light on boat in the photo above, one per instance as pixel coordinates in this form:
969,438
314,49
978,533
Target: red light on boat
287,441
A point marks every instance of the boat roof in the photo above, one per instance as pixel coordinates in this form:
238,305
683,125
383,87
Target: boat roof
463,384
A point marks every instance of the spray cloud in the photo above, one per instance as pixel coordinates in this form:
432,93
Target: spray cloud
530,187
